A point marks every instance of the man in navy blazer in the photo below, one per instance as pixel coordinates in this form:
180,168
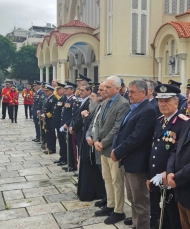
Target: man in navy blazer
132,145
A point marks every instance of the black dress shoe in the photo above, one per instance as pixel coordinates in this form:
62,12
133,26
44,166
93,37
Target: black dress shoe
114,218
75,175
128,221
101,203
2,118
43,147
104,212
34,139
50,152
70,169
62,163
58,161
37,140
76,184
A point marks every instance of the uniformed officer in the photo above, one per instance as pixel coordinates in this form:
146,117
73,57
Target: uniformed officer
81,80
56,122
47,118
5,99
167,132
66,116
180,96
184,109
28,96
124,90
35,108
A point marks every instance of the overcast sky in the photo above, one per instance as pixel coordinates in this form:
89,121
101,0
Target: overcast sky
22,13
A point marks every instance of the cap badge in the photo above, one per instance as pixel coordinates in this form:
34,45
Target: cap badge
163,89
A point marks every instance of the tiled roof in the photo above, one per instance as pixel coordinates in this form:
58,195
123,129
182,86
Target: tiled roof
182,28
76,23
179,15
46,38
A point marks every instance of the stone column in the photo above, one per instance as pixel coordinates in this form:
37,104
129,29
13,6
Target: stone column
41,73
62,62
47,73
183,57
54,64
159,60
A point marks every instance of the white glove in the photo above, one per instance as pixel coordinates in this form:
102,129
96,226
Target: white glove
61,129
156,180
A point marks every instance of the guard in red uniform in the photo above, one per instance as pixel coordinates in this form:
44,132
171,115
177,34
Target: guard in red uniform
5,99
28,96
13,103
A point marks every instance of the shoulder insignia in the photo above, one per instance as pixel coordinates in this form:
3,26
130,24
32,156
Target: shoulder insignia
184,99
183,117
161,116
174,120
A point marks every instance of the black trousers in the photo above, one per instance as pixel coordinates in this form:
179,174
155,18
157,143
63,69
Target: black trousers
51,139
171,212
13,110
26,107
37,126
5,106
62,144
72,161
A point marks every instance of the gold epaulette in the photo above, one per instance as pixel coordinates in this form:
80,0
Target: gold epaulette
56,95
183,117
49,115
161,116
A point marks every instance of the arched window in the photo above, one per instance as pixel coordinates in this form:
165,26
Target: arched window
140,29
167,63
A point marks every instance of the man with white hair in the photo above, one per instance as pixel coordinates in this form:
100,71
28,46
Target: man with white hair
108,123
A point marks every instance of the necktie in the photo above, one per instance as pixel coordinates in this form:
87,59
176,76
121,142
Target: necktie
165,123
105,110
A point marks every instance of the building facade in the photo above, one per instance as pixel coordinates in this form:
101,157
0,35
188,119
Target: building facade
133,39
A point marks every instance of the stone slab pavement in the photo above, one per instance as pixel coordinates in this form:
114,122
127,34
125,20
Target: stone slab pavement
34,192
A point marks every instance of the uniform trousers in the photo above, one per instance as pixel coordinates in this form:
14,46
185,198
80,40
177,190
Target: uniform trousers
51,139
114,183
72,160
171,214
138,195
13,110
184,216
37,126
5,106
26,107
62,145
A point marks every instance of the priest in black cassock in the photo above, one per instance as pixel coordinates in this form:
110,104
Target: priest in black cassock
90,184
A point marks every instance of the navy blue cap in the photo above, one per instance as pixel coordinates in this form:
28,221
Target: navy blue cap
36,82
81,77
158,82
48,87
166,91
60,85
70,85
174,83
44,83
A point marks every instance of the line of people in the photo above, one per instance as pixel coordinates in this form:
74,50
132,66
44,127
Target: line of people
120,136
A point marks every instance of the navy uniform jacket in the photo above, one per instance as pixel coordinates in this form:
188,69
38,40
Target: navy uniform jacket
164,141
42,101
181,98
66,113
183,108
154,103
133,141
48,111
179,164
56,121
35,106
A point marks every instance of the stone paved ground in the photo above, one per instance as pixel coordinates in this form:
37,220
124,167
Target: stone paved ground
35,193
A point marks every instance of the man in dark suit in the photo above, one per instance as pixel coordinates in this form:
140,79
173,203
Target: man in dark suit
166,134
178,174
151,95
108,123
35,108
124,90
132,146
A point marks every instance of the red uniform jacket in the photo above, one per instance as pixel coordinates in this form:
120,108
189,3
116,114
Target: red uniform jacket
13,96
5,95
28,96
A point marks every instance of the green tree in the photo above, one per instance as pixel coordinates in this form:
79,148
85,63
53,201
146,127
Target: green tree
2,77
7,53
25,64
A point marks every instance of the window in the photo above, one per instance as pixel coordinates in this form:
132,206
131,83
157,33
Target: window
174,6
109,26
181,6
167,6
140,28
167,64
188,4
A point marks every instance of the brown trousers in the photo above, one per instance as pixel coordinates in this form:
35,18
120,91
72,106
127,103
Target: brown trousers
184,216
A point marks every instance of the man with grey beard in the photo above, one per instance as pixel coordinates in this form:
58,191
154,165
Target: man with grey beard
90,185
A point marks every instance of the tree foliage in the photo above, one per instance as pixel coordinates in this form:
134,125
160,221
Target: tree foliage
25,64
7,53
